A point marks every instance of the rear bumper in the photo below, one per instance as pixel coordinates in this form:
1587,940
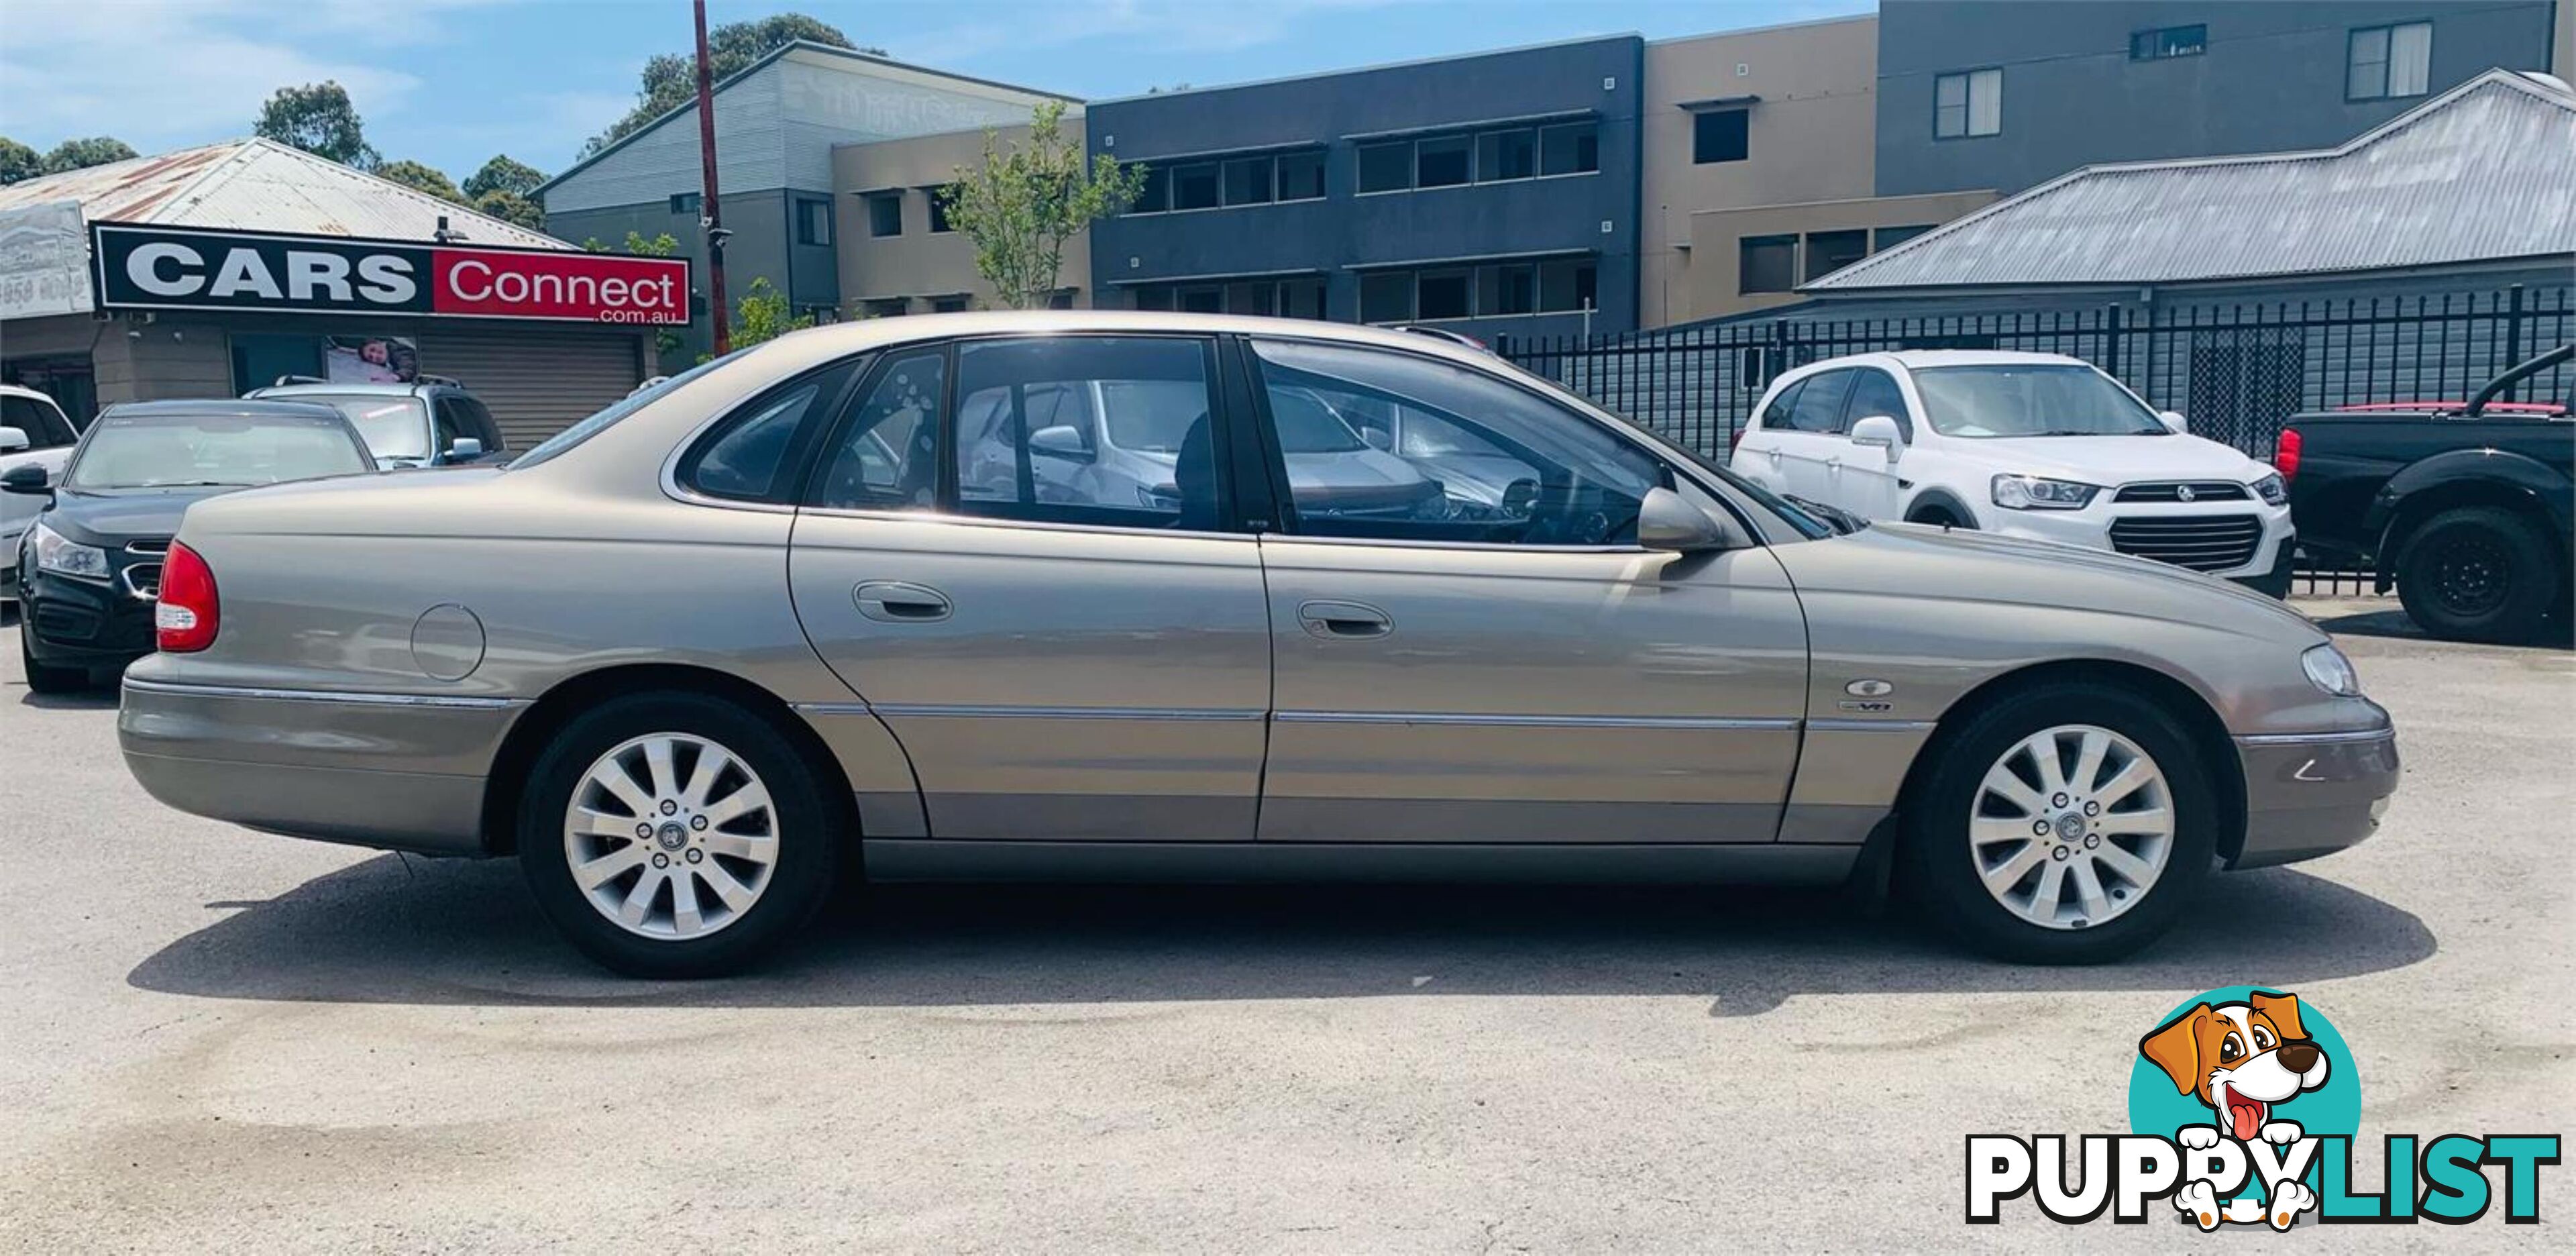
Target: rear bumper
395,771
2313,794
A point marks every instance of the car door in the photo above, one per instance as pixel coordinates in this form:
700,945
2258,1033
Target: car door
1757,456
1056,666
49,445
1521,672
1865,481
1811,441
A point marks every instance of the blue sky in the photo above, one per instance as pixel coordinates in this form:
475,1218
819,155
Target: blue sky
451,82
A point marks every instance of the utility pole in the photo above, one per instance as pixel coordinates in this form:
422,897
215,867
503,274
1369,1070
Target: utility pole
711,216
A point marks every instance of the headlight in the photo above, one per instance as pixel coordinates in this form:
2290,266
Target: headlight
2272,490
69,558
2329,670
2029,492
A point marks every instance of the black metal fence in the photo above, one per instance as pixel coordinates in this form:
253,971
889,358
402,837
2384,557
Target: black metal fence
2234,370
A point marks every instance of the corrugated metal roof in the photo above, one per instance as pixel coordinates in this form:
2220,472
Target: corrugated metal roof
2486,171
258,185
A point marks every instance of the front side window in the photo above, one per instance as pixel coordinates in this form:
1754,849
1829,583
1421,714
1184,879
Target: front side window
1968,105
44,425
2384,62
1721,135
1107,430
1395,446
2042,399
1875,393
887,456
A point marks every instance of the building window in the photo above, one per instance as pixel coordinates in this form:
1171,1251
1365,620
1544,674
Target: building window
1504,155
2386,62
1478,290
1386,167
1719,135
1443,162
948,305
1301,298
688,202
885,214
1890,237
1507,289
814,222
1202,299
1197,186
885,307
1830,251
1060,299
1766,264
1445,294
1156,196
2171,41
1967,105
1574,148
1247,181
939,224
1154,297
1570,284
1301,175
1386,296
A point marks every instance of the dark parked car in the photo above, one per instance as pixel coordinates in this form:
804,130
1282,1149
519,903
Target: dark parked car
89,567
433,423
2464,507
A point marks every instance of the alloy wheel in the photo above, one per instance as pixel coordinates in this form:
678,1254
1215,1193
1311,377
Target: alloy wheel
671,836
2071,827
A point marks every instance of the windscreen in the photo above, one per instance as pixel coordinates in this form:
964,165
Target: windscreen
2035,400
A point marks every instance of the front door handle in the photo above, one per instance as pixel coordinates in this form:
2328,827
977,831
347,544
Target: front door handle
900,602
1344,620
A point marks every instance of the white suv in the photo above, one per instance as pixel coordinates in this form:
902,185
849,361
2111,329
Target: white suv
2026,444
33,433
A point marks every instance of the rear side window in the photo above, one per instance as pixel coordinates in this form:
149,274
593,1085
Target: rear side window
1819,407
753,454
1776,414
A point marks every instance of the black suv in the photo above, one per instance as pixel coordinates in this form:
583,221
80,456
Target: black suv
433,423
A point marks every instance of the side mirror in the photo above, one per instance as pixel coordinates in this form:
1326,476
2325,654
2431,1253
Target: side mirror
1059,441
2174,423
1668,521
1878,431
1379,439
465,449
28,479
14,440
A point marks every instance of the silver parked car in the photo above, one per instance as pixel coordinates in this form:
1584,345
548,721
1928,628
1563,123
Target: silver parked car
699,651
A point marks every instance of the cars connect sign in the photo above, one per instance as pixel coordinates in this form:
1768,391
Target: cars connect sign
179,268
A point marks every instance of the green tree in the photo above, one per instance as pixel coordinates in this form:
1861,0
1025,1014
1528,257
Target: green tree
1026,200
17,161
319,119
671,79
503,175
510,207
421,178
97,150
763,315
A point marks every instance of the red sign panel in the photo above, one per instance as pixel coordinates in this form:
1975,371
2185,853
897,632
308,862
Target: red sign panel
589,287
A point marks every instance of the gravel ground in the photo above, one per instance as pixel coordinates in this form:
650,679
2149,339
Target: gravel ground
216,1039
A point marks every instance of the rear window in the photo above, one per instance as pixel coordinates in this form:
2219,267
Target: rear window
232,450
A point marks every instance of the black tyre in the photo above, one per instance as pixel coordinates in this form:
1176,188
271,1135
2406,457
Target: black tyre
2478,573
2100,837
46,677
676,835
1940,517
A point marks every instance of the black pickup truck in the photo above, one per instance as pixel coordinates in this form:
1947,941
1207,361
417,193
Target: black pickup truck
2465,508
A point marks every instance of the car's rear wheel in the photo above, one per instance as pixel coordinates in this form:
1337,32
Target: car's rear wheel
2478,573
2064,824
46,677
675,835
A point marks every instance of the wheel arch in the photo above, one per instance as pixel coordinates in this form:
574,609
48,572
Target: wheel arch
2199,719
1941,499
506,780
2502,480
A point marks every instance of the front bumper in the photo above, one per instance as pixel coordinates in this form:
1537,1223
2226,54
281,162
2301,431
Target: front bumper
71,622
2092,528
394,771
2311,794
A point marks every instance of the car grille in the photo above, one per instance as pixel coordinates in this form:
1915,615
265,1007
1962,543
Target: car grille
154,548
2200,542
2201,491
143,580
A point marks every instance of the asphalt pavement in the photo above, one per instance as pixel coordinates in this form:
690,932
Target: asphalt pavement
215,1039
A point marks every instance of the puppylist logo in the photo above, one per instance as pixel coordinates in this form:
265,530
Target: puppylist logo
2244,1110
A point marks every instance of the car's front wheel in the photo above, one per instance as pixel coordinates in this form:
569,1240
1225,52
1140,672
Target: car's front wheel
2068,823
675,835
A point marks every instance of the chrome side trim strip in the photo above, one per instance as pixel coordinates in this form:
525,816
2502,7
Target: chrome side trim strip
1869,726
2316,739
1449,719
944,710
449,701
834,708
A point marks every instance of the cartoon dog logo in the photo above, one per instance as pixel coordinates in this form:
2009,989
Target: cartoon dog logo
2243,1060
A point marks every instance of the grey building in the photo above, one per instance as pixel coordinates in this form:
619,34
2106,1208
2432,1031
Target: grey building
1490,193
1994,94
776,124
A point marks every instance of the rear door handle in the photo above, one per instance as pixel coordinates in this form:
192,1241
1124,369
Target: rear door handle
1344,620
900,602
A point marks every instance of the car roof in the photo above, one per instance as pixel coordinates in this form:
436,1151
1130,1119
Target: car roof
387,390
234,406
13,390
861,335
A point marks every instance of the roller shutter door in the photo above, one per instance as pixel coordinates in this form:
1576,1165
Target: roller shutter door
537,380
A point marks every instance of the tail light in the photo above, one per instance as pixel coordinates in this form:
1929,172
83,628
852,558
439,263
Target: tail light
188,613
2285,453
